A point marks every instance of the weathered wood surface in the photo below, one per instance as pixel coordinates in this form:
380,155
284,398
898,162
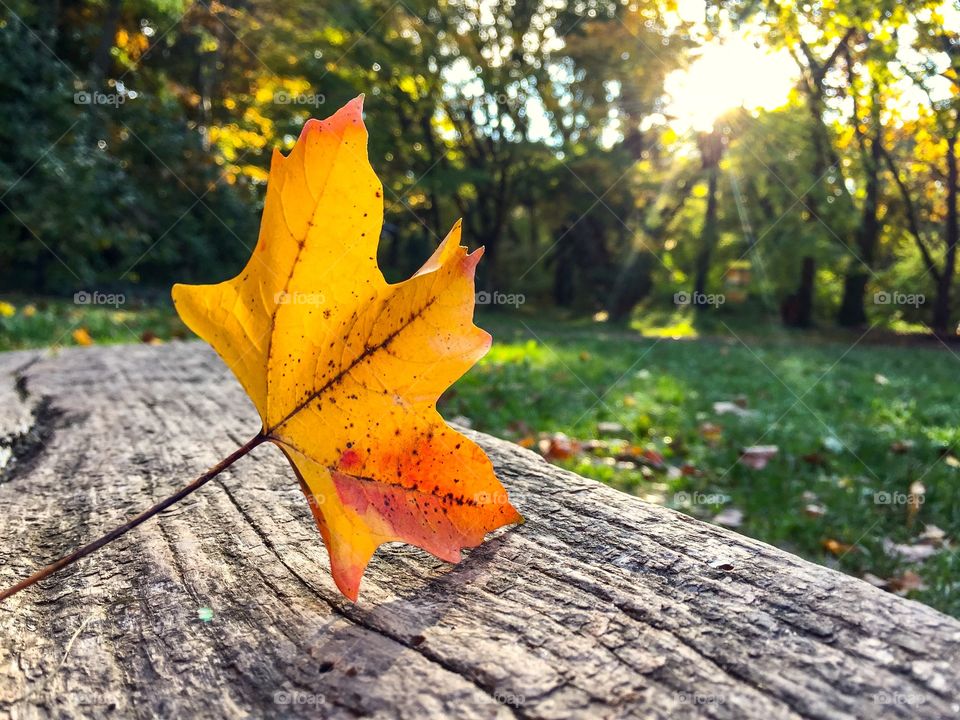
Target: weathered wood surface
599,606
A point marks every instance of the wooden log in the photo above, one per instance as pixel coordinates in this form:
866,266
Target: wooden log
600,605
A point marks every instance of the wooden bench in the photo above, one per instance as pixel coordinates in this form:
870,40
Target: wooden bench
599,606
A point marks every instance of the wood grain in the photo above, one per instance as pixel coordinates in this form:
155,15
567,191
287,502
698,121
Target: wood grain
600,605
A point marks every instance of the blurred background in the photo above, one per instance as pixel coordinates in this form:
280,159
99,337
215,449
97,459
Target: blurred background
720,236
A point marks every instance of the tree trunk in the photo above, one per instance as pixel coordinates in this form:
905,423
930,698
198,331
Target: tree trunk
941,309
632,285
563,269
708,241
797,309
853,307
101,58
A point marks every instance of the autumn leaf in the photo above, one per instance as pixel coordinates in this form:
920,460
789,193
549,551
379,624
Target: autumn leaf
836,547
757,456
81,336
729,517
345,369
711,432
559,447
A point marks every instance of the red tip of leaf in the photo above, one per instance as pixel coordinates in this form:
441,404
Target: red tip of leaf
347,577
349,114
487,342
469,263
310,126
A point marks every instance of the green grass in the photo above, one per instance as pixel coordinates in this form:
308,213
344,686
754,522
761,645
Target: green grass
53,322
834,411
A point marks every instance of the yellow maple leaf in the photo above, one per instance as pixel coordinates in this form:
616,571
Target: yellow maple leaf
345,369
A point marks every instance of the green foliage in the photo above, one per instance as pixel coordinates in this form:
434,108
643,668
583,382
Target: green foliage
104,186
540,124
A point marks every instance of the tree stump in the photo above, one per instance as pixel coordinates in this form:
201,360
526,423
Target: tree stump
600,605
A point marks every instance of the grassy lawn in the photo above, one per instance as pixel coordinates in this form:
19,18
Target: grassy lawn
863,476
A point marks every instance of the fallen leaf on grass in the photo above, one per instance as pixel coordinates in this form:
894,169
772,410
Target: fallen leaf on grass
757,456
901,447
815,458
927,544
711,432
641,456
915,499
933,535
559,447
906,583
911,553
725,407
900,585
610,429
81,336
345,369
596,447
835,547
730,517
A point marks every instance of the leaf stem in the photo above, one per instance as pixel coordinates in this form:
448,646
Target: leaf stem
134,522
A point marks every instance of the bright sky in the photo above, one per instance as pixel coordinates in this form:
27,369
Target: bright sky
738,70
728,74
734,70
741,71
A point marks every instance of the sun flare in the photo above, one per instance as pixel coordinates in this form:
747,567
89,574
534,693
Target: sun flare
731,73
